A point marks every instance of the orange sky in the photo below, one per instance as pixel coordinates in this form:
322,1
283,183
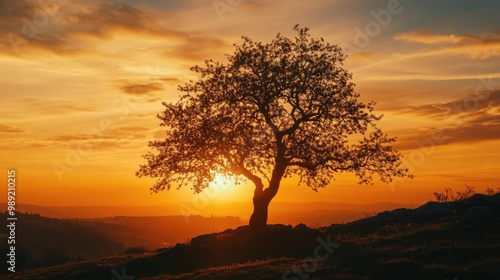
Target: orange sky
82,81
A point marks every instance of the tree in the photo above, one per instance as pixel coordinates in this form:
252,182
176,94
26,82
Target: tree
276,109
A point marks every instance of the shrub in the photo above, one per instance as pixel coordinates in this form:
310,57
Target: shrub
491,191
448,196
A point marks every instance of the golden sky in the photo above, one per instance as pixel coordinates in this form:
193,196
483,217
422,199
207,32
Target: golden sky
82,81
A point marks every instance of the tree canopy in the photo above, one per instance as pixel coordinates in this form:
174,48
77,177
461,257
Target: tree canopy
277,109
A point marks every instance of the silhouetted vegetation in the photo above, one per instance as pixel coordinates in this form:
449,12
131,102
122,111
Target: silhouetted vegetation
448,196
491,191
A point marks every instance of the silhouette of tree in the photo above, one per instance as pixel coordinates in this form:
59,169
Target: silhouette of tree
276,109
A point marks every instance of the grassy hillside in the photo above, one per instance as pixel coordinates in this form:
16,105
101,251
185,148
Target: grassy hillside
452,240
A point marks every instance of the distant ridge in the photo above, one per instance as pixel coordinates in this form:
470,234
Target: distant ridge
242,209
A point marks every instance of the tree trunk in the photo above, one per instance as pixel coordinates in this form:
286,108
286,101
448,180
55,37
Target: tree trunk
260,207
262,198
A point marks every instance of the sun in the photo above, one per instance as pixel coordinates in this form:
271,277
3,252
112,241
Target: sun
223,188
223,181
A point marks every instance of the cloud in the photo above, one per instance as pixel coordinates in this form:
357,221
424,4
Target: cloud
147,86
472,119
197,48
102,19
10,129
140,88
170,80
473,46
57,106
466,133
153,99
362,56
428,38
469,105
78,27
124,133
26,24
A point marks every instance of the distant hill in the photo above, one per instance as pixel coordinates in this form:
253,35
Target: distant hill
452,240
76,212
42,241
312,213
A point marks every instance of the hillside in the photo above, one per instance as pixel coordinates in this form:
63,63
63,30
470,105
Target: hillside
42,241
453,240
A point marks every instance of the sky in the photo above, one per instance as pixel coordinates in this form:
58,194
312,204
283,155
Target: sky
81,83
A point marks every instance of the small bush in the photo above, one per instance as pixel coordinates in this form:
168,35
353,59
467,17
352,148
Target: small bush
448,196
445,196
491,191
467,193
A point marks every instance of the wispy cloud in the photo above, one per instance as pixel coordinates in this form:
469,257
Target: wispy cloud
425,37
197,48
482,103
362,56
123,133
10,129
81,27
57,106
473,46
140,88
467,133
465,120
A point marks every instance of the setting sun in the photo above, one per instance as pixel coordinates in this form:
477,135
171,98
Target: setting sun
222,181
223,188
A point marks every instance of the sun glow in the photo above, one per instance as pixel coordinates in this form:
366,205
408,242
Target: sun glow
224,188
223,181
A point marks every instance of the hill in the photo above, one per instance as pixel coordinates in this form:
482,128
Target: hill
42,241
452,240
